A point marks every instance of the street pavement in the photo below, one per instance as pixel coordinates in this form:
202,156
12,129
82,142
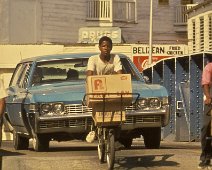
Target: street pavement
78,155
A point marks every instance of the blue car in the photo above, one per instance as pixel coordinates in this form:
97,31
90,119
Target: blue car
45,103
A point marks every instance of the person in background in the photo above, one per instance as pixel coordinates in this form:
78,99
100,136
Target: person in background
3,94
72,74
105,63
206,125
37,76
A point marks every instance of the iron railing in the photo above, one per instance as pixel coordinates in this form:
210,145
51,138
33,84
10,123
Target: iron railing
112,10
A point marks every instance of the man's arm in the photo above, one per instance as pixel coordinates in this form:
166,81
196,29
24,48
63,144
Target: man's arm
91,66
89,73
206,91
206,83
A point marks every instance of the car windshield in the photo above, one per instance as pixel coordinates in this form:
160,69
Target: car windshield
47,72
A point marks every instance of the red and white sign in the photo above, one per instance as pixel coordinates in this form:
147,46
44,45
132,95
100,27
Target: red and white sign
140,53
141,62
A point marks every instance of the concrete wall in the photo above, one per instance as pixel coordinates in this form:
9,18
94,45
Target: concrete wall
12,54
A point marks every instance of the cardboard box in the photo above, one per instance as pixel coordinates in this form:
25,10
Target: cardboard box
98,87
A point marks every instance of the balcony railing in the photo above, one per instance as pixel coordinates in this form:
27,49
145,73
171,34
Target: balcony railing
180,14
112,10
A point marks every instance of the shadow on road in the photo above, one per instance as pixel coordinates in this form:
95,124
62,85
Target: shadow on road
70,148
147,161
170,145
7,153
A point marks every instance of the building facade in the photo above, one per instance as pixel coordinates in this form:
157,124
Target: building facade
61,21
200,27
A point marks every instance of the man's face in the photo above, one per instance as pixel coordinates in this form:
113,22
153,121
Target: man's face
105,48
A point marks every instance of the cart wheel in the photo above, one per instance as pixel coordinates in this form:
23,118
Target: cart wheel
110,150
101,151
101,145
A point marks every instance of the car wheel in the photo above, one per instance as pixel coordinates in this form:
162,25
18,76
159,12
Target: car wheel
40,144
152,137
127,142
19,142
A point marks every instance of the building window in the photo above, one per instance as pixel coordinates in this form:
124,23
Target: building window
202,34
112,10
185,2
210,32
99,10
163,2
193,36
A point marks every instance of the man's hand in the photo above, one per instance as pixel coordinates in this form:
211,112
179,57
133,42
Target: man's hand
206,91
207,100
89,73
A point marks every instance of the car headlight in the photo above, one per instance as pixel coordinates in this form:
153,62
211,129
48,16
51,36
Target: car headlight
58,108
154,103
149,103
52,109
142,103
46,108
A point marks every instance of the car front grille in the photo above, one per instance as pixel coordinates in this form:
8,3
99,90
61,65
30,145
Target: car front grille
75,109
130,108
73,122
142,119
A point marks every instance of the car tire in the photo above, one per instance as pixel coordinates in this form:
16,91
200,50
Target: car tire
152,137
127,142
40,144
19,142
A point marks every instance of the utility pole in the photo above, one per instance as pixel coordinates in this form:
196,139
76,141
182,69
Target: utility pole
150,35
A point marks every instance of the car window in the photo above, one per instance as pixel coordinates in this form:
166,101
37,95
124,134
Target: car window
48,72
23,83
20,76
16,75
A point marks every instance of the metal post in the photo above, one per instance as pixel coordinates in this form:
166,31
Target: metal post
150,35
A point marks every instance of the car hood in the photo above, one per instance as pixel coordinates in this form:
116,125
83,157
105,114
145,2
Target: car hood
66,92
149,90
74,92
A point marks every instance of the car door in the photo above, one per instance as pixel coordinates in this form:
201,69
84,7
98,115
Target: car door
16,98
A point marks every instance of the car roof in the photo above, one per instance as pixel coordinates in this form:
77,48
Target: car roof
60,56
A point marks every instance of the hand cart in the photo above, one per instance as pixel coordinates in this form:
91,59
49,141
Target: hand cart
108,122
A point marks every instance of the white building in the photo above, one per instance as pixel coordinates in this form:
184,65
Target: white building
200,27
60,21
